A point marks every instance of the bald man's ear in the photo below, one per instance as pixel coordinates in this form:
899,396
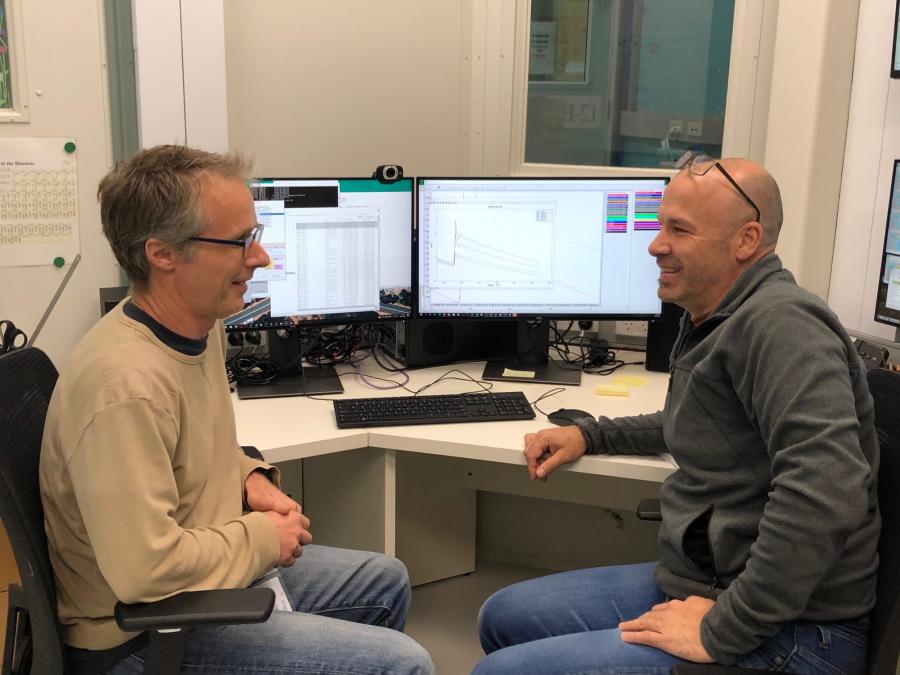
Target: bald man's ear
160,255
749,240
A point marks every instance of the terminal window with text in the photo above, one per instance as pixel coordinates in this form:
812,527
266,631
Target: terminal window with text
340,253
537,247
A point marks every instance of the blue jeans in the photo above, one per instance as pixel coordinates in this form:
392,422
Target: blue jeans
567,623
350,607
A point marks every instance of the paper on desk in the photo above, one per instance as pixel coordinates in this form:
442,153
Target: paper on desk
630,380
522,374
612,390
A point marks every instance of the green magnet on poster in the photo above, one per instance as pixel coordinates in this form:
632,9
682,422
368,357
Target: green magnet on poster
59,261
69,147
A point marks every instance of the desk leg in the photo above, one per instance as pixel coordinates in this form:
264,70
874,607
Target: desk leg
390,502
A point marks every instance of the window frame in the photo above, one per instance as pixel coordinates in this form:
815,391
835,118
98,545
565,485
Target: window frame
745,108
20,110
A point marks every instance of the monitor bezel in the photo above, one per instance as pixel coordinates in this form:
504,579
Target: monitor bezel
336,319
568,316
879,306
895,50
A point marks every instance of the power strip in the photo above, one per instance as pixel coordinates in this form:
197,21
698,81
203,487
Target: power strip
631,328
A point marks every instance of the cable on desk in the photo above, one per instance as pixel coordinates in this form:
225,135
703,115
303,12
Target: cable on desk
485,386
612,366
250,370
546,394
585,354
394,365
594,357
365,377
330,347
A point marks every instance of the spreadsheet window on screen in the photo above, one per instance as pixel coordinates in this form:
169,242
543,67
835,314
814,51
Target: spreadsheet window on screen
542,247
339,251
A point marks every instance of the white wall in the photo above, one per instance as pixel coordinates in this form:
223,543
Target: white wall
873,142
339,87
809,103
65,58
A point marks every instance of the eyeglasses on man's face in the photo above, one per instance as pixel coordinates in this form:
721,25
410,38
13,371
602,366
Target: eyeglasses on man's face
245,242
700,164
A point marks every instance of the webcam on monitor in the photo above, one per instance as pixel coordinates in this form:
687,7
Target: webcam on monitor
388,173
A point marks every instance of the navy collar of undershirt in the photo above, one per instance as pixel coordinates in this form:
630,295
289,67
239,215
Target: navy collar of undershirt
179,343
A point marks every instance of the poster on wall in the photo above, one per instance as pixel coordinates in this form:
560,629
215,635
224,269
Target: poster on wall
38,201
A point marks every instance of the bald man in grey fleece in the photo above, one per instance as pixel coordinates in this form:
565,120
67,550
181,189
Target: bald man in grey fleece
770,525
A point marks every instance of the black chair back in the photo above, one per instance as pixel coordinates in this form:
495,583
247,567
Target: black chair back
884,640
27,378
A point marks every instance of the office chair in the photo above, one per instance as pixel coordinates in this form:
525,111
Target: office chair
884,632
33,643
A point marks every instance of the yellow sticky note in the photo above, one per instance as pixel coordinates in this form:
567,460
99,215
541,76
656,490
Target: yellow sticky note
611,390
522,374
630,380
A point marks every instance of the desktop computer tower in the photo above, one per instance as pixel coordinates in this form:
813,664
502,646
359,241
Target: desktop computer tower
430,342
661,335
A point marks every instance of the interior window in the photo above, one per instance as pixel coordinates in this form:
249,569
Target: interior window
626,82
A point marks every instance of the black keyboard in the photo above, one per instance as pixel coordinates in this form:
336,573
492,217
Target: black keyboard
431,409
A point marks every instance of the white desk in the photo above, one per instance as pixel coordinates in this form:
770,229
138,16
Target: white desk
419,503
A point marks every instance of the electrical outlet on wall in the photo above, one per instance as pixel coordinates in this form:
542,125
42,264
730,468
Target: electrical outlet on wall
632,328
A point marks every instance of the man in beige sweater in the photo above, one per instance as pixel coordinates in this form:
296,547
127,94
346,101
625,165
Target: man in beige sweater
146,492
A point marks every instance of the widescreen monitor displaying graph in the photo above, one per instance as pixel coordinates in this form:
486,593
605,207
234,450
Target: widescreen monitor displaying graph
537,247
340,251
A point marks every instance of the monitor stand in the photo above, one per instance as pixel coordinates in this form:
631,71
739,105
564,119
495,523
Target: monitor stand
532,363
284,351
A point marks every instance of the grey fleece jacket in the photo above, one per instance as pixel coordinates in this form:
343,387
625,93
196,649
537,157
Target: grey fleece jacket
771,422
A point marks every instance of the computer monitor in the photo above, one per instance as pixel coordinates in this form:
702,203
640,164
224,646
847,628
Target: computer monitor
887,303
535,249
340,251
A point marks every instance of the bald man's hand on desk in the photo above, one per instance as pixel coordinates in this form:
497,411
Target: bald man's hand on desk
548,449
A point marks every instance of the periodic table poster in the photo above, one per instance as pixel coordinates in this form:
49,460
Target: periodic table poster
38,201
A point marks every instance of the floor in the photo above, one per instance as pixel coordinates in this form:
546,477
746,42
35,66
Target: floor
443,617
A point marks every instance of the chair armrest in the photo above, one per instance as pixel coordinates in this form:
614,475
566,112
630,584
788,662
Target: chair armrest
713,669
198,608
648,509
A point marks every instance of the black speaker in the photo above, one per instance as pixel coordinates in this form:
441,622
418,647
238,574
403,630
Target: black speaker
430,342
661,334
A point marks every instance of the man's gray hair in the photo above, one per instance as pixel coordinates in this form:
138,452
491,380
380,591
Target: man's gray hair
154,194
